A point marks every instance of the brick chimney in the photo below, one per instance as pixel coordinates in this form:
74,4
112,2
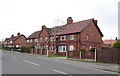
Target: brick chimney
43,27
96,22
18,34
12,36
69,20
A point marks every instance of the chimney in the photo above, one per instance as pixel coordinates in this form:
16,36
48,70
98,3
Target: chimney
69,20
18,34
12,36
43,27
96,22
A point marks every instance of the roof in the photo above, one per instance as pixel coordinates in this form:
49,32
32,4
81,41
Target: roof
109,41
34,35
76,27
13,38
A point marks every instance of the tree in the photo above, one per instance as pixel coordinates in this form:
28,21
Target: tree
116,45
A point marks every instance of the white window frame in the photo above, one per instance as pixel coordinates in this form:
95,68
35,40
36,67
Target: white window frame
71,37
28,40
71,48
40,39
31,40
87,37
11,42
62,48
46,38
36,40
62,37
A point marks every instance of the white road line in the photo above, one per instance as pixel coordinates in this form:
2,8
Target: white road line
59,71
14,57
31,63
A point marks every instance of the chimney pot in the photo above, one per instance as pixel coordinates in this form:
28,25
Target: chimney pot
69,20
12,36
43,26
18,34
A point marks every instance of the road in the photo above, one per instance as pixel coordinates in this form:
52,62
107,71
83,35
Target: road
20,63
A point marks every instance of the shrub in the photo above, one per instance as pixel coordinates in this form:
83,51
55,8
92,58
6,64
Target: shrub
25,49
92,49
116,45
82,49
12,48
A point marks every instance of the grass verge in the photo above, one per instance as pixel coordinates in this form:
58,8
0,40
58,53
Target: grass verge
52,55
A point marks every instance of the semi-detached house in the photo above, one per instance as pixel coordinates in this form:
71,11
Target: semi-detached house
69,37
15,41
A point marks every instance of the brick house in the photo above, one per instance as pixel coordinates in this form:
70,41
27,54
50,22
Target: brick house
108,43
15,41
71,37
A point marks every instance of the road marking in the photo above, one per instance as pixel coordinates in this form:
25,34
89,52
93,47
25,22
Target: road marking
14,57
59,71
31,63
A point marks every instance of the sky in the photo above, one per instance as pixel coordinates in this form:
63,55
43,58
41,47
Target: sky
27,16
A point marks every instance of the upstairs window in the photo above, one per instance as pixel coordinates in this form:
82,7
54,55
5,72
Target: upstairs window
71,37
40,39
62,37
27,40
87,38
10,41
36,40
31,40
46,38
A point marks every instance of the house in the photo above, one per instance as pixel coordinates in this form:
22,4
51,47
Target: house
71,37
108,43
33,40
15,41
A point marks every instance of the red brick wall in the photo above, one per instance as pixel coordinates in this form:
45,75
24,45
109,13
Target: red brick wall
43,35
20,41
95,39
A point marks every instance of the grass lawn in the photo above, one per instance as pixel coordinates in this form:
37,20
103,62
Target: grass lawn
52,55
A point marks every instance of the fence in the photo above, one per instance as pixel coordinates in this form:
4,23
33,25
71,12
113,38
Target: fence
81,55
108,55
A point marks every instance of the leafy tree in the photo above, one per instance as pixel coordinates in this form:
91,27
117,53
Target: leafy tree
116,45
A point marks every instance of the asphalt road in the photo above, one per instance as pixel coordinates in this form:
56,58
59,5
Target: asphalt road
19,63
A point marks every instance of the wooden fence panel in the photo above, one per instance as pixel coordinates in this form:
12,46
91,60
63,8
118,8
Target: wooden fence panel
108,55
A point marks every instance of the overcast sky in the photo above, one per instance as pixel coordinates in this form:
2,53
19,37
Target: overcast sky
27,16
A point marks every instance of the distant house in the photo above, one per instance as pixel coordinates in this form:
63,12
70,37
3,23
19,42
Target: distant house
71,37
15,41
108,43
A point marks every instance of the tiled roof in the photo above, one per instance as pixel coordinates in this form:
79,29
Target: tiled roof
76,27
13,38
67,29
109,41
34,35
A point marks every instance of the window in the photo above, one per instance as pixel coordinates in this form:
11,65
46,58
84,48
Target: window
87,37
62,37
71,48
10,41
36,40
31,40
45,38
71,37
27,40
62,48
40,39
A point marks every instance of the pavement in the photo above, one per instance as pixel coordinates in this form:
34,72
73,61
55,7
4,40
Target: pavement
21,63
